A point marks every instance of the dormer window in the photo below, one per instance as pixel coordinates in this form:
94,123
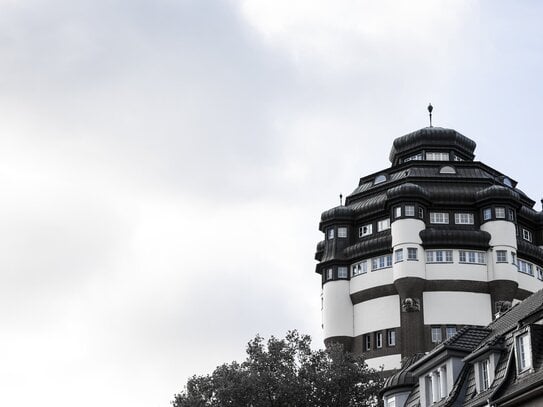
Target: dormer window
507,182
447,170
365,230
484,374
379,179
416,157
437,156
524,352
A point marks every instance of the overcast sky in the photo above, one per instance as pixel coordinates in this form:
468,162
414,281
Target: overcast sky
164,164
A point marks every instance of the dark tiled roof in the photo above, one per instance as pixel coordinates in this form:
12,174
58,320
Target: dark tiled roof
435,238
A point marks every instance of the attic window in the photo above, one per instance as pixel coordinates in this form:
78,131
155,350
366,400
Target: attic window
508,182
447,170
379,179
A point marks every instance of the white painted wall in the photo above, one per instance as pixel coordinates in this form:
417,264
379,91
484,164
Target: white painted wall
377,314
389,362
456,271
502,233
409,268
406,231
337,309
371,279
462,308
529,283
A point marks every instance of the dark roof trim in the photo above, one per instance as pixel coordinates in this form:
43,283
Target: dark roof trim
454,238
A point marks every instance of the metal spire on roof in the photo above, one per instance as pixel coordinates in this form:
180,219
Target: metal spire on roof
430,108
340,199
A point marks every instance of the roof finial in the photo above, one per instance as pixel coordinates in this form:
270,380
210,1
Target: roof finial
340,199
430,108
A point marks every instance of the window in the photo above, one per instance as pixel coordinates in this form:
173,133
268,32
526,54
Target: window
367,342
359,268
341,232
508,182
415,157
399,255
500,212
381,262
391,401
409,210
383,225
429,390
472,257
439,256
378,340
391,337
447,170
511,215
411,253
524,352
525,267
526,235
450,331
330,233
487,214
539,273
379,179
484,374
342,272
439,217
463,218
437,156
365,230
436,334
513,258
329,274
421,213
397,211
501,256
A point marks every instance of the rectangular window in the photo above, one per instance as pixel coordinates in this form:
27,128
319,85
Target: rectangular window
513,258
381,262
399,255
383,225
411,253
342,272
501,256
539,273
511,215
359,268
500,212
415,157
472,257
524,352
439,256
391,337
526,235
329,274
487,214
525,267
450,331
484,376
341,232
409,210
367,342
421,213
330,233
397,211
439,217
378,340
436,334
463,218
365,230
440,156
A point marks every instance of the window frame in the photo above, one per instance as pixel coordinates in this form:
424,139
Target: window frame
438,337
409,211
500,212
342,232
383,224
503,254
464,218
527,235
487,214
330,233
369,231
329,274
339,272
378,340
391,337
439,218
524,355
398,255
410,251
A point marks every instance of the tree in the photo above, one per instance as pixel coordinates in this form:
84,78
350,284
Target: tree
286,373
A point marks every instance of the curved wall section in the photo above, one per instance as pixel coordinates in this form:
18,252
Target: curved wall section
377,314
456,308
406,231
502,233
337,309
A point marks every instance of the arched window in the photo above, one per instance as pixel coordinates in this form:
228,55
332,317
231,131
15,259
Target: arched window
447,169
379,179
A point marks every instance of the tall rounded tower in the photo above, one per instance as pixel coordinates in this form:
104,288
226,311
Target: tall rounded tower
433,243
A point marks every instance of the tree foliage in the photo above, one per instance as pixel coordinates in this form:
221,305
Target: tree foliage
286,373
